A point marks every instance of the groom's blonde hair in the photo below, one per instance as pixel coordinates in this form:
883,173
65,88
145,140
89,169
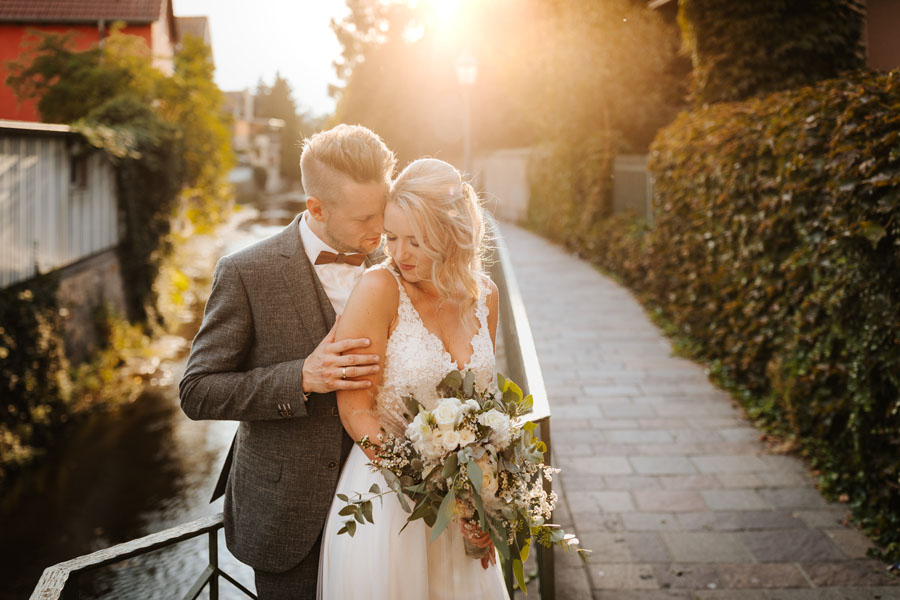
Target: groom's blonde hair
447,220
343,153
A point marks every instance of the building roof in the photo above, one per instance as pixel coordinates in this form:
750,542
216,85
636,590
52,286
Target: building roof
78,11
198,26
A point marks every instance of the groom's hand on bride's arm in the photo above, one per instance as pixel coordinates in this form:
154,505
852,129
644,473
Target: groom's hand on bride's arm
328,369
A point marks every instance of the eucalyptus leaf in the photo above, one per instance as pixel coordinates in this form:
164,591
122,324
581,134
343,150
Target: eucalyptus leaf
475,476
468,385
451,466
413,406
445,513
519,571
348,510
367,511
375,489
451,382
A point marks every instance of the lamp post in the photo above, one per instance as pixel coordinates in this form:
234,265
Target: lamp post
466,74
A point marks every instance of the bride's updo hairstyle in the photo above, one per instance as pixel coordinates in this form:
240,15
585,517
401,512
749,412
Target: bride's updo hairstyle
447,219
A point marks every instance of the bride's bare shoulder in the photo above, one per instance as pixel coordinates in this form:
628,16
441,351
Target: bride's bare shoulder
378,284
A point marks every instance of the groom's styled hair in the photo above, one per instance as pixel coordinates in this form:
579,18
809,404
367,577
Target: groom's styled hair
330,157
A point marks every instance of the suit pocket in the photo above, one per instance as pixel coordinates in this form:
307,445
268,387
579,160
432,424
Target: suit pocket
269,471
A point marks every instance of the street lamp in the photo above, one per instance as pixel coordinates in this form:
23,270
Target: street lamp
466,74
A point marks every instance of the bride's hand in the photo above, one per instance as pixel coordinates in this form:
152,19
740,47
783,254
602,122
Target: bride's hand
480,539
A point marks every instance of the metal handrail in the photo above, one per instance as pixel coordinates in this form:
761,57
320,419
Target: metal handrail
61,580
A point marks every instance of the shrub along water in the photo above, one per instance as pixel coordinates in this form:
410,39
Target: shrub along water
775,253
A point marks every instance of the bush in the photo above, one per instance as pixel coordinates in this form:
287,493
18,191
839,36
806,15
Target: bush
777,247
776,254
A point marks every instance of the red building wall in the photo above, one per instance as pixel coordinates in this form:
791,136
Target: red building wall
12,37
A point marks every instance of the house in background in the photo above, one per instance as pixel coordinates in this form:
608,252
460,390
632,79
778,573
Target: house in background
256,142
58,213
197,26
152,20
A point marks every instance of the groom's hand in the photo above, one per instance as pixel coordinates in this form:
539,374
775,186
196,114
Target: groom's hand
327,369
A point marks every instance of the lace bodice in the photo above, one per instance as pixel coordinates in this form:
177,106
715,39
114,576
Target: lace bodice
416,361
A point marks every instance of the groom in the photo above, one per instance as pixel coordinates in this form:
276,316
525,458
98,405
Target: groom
265,355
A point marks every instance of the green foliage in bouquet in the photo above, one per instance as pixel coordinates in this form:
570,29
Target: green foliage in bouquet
472,456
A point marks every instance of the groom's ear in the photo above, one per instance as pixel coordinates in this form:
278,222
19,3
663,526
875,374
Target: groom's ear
316,208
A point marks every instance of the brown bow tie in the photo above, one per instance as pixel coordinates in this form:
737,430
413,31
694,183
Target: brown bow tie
326,258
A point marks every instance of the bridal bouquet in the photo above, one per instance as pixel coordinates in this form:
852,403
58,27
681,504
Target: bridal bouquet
474,457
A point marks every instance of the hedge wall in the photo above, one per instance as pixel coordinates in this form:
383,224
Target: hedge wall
776,253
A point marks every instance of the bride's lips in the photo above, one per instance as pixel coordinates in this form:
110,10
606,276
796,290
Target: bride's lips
406,267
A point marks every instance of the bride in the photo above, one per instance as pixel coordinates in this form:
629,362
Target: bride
428,309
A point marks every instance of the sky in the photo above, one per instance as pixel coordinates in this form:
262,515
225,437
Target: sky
253,40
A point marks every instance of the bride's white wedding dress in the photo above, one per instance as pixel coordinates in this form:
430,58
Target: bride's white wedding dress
378,562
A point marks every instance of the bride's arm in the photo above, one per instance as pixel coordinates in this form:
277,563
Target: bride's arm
370,310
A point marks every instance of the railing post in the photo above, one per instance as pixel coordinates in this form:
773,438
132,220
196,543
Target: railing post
214,563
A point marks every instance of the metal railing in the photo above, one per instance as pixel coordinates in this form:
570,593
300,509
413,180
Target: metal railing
61,580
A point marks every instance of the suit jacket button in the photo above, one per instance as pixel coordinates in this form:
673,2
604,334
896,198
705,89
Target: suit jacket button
332,465
334,411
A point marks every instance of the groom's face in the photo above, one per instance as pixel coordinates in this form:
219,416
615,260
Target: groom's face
354,222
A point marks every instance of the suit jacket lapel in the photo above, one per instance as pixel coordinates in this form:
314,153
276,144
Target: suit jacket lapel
306,290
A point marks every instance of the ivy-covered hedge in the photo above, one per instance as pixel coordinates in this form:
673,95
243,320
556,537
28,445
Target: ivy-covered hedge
776,252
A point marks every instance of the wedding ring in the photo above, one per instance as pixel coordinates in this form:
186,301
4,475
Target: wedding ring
343,372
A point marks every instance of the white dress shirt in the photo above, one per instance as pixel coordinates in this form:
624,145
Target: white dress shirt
338,279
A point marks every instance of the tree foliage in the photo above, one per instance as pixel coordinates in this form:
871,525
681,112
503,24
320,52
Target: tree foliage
277,101
547,71
743,49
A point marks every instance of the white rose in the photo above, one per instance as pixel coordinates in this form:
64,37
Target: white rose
489,481
446,413
472,405
466,437
450,440
493,419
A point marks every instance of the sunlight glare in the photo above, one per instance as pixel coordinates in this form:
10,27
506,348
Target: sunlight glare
445,10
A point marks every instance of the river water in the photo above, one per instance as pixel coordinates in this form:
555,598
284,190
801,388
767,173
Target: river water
121,474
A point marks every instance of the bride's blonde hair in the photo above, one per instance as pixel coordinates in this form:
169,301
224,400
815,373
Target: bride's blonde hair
447,220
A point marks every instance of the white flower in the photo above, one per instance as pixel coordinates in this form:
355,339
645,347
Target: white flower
471,405
493,419
488,477
499,424
446,413
466,437
450,440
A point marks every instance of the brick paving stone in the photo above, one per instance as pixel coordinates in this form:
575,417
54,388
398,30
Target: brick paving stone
662,465
669,500
729,595
706,547
608,423
740,520
798,497
728,464
611,576
734,500
632,482
638,436
643,521
607,547
641,595
784,479
646,547
688,482
853,543
596,465
822,519
739,480
791,545
705,576
850,573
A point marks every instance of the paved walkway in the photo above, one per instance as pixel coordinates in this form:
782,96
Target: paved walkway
663,476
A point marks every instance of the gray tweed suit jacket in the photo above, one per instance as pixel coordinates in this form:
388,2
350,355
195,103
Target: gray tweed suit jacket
266,313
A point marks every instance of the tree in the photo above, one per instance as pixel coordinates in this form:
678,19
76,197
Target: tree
744,49
278,102
168,136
